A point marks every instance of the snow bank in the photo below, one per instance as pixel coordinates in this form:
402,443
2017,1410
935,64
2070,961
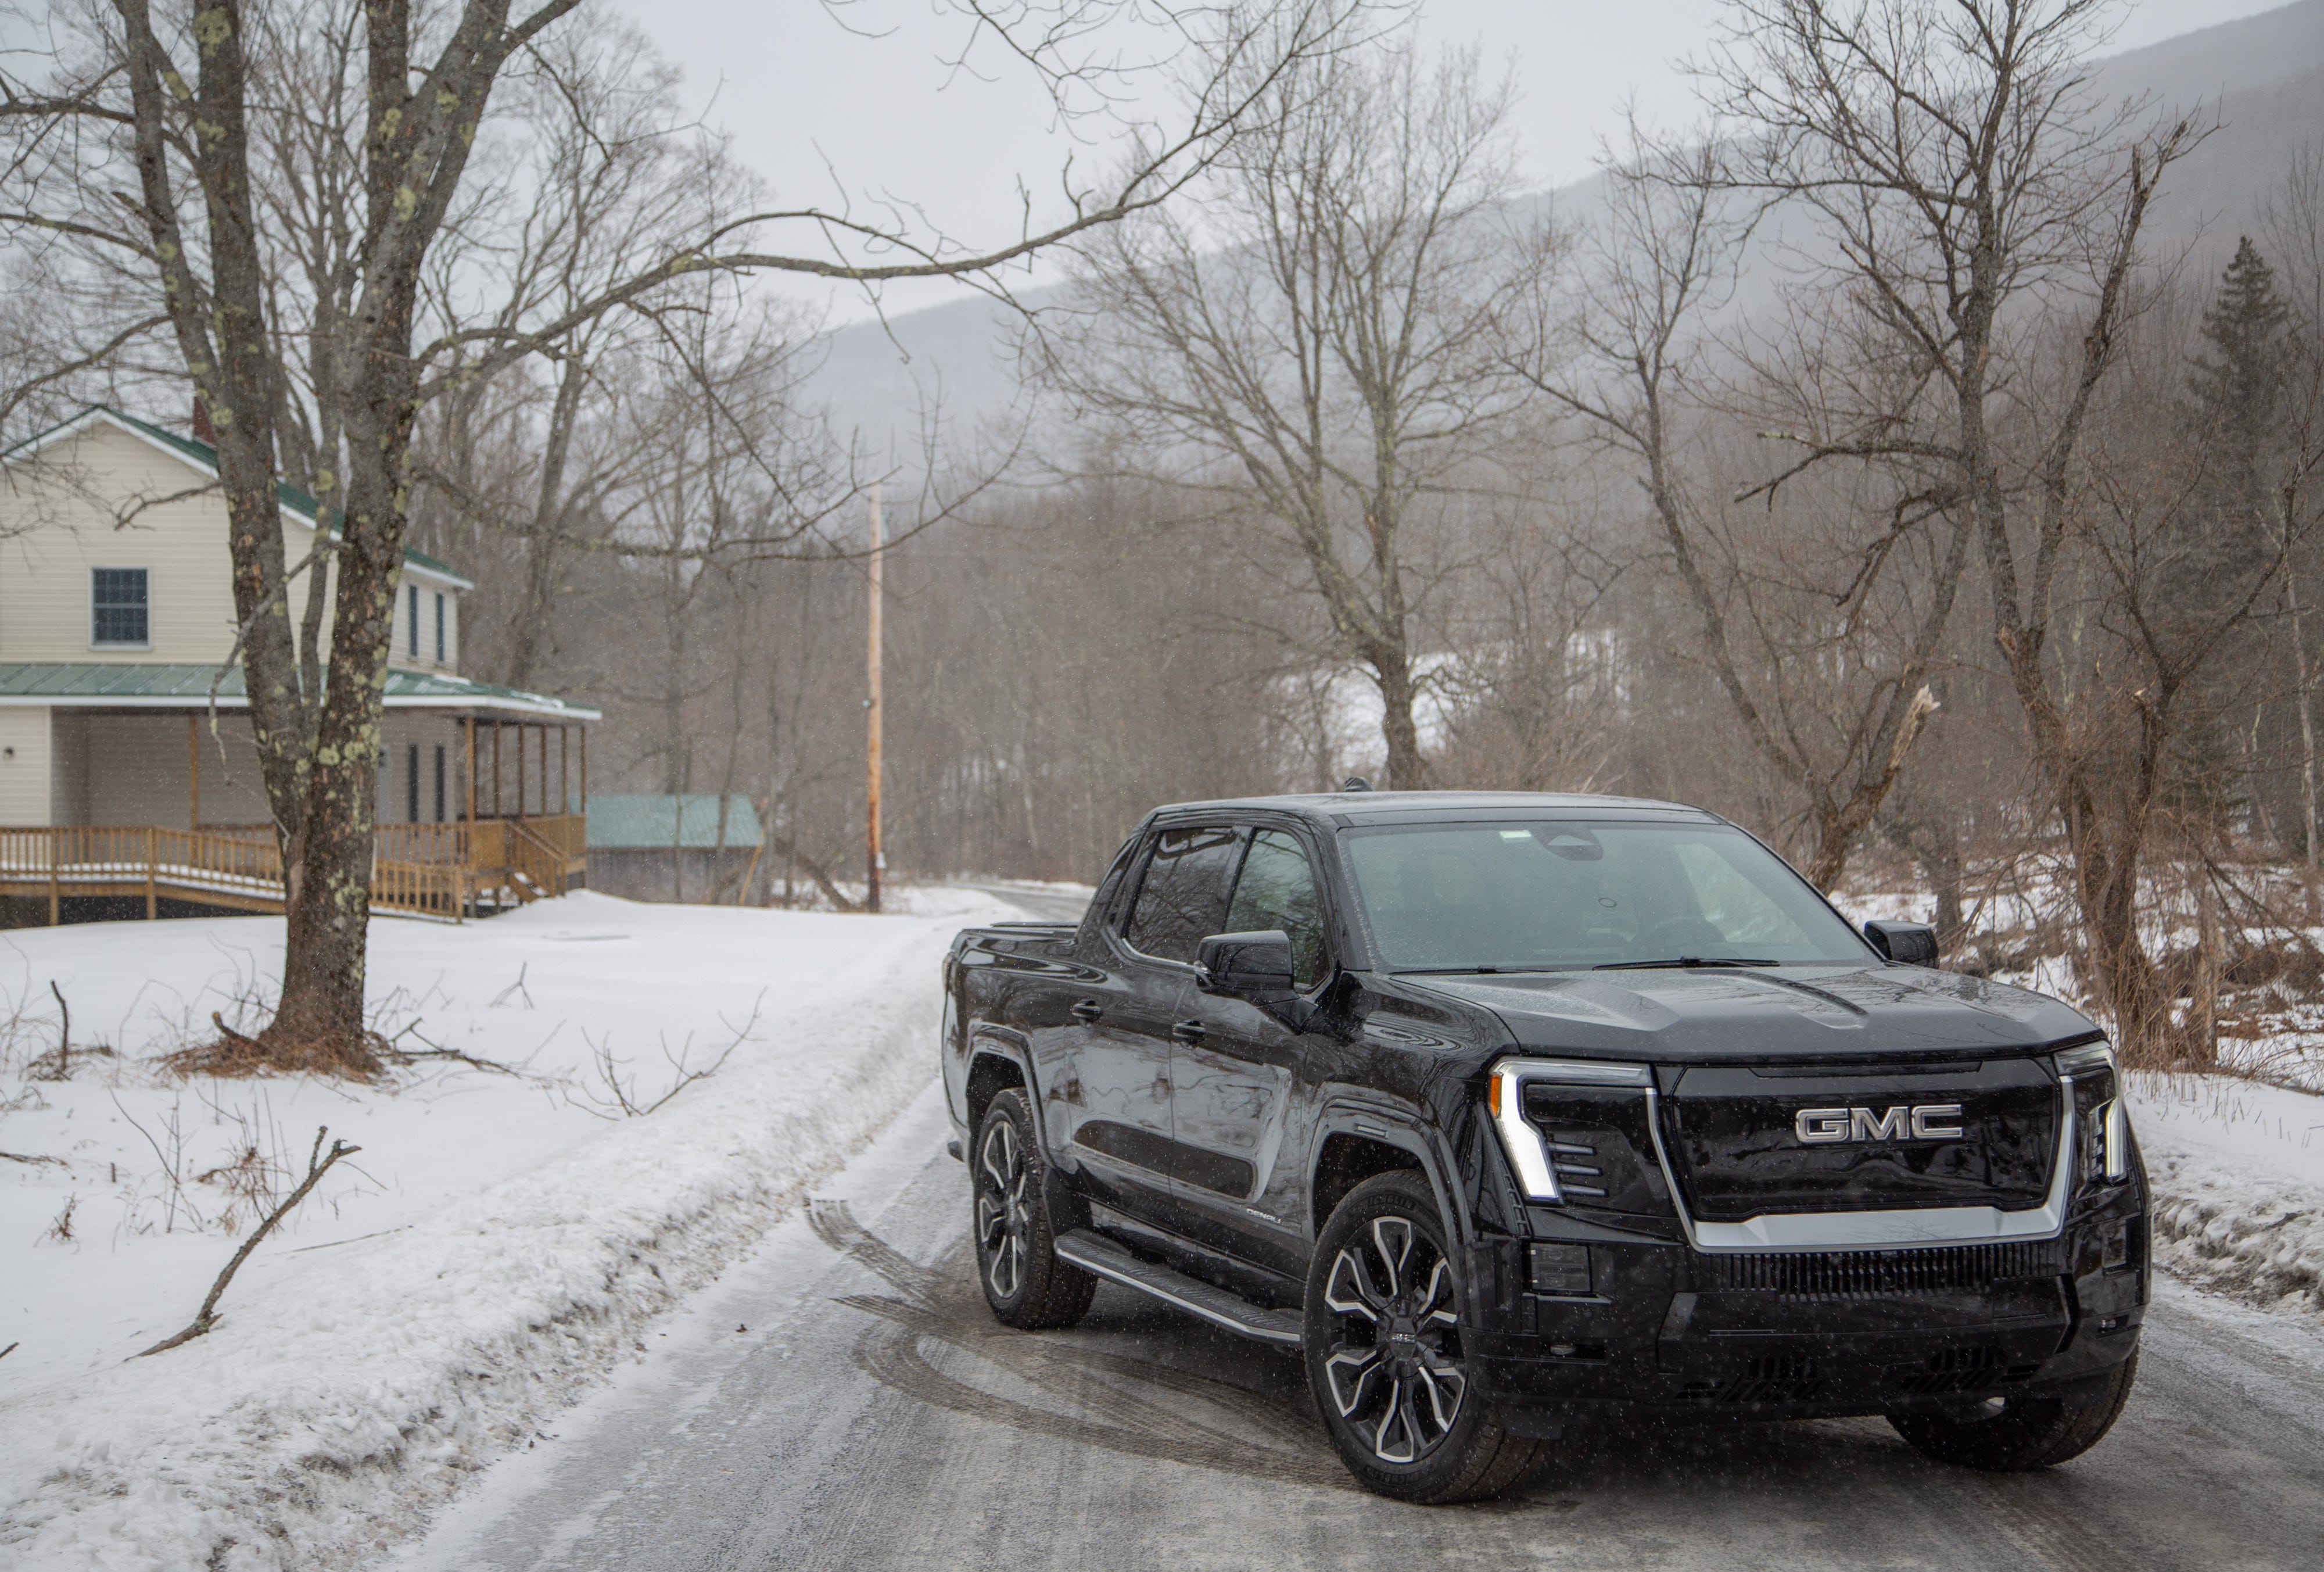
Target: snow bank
500,1245
2238,1174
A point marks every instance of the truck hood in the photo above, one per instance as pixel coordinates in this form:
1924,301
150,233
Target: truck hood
1708,1016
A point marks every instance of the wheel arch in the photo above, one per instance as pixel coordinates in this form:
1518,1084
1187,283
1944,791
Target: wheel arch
997,1060
1354,1141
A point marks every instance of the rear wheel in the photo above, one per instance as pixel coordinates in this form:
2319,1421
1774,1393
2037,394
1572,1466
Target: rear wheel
1385,1357
2016,1435
1017,1262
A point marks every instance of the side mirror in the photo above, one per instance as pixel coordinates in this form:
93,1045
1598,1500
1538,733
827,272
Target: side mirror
1247,966
1913,944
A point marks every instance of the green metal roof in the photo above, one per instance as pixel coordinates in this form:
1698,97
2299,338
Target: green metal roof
645,821
162,684
299,502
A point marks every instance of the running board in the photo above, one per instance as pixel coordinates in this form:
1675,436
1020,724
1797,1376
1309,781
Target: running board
1094,1251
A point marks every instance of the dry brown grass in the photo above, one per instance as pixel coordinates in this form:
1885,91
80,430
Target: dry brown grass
234,1056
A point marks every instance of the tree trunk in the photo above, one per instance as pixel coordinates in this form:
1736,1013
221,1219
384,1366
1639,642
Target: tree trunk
542,559
1406,770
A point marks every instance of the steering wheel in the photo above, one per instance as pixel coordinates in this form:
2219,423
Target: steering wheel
1677,935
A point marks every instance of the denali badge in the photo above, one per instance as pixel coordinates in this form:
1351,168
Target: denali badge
1925,1122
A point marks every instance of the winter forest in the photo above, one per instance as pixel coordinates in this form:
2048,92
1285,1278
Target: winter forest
1918,469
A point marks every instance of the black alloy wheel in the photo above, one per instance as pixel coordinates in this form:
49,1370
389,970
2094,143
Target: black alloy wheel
1394,1366
1385,1358
1017,1262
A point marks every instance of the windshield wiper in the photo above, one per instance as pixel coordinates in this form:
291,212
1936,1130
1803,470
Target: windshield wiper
1688,962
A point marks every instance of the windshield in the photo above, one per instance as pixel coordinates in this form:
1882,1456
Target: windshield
1518,897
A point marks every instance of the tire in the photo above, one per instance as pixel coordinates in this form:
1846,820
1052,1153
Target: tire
2020,1434
1017,1262
1384,1359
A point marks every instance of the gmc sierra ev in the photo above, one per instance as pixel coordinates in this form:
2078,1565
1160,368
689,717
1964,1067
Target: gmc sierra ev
1502,1109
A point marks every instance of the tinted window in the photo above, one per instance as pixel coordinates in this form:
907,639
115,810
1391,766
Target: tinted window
1183,899
1517,896
1277,889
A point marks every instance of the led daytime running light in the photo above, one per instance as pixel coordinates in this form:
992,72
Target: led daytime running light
1528,1154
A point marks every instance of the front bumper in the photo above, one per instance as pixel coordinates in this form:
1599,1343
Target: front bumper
1777,1336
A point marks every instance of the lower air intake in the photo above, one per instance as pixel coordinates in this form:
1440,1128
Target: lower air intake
1874,1273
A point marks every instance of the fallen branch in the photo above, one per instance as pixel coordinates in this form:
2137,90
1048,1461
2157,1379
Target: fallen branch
10,1349
624,1102
319,1163
815,871
20,1157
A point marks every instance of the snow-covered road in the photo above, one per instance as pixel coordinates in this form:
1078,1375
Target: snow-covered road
843,1400
501,1242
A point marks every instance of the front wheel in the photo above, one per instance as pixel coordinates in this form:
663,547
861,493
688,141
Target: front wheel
1385,1358
1024,1280
2017,1435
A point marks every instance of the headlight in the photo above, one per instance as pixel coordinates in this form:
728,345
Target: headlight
2086,1059
1583,1145
2101,1117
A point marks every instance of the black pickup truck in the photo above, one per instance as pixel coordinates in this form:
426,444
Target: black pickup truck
1509,1108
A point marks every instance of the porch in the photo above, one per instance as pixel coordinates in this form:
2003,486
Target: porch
113,788
445,870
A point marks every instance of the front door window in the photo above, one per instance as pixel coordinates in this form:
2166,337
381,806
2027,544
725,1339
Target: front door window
1183,899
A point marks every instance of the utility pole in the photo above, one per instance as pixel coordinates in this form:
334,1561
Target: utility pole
873,859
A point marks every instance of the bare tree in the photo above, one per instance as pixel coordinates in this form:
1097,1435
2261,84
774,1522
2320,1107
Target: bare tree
1316,344
1971,198
184,95
1832,705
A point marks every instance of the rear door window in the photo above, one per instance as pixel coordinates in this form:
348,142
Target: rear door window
1183,898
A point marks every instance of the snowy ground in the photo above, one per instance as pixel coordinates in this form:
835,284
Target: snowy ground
503,1240
2238,1174
499,1241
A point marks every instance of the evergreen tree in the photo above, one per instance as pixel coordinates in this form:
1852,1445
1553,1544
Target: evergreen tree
2236,389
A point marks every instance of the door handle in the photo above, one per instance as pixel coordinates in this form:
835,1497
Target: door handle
1087,1010
1190,1031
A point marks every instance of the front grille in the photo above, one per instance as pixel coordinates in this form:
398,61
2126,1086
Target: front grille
1871,1274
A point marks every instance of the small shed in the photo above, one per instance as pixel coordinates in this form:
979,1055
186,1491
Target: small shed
663,845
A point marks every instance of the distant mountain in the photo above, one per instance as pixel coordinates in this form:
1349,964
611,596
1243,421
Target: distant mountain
2262,76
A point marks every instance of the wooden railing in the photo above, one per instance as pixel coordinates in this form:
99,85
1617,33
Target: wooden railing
437,870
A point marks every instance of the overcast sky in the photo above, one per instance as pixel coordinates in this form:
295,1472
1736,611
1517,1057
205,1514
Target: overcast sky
816,106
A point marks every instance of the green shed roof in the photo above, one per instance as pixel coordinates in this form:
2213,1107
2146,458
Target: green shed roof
645,821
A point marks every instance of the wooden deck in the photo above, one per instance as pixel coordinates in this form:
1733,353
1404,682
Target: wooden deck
450,872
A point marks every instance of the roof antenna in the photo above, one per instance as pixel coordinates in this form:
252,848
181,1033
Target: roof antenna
1355,783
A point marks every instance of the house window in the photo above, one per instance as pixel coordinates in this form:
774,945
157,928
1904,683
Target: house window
439,782
117,602
411,781
412,623
439,635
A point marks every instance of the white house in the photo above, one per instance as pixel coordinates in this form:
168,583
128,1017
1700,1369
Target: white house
121,776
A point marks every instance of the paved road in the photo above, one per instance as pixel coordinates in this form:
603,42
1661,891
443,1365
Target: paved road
843,1400
1039,902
